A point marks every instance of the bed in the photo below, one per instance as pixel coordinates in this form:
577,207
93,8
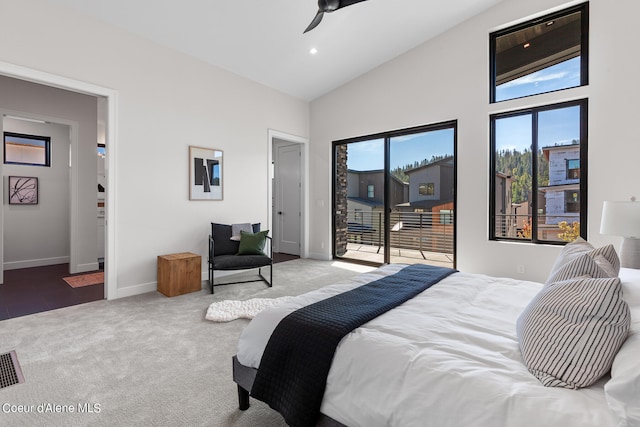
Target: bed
451,356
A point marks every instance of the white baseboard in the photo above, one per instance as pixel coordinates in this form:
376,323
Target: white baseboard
142,288
14,265
91,266
320,256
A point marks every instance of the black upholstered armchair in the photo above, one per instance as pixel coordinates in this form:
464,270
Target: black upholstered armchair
223,255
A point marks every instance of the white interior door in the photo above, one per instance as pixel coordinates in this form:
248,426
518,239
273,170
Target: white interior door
288,191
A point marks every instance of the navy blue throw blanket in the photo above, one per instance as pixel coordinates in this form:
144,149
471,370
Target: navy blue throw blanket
293,371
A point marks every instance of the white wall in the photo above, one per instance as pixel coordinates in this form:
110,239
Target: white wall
166,102
36,235
447,78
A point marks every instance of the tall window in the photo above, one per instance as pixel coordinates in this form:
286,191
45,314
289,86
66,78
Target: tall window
536,192
541,55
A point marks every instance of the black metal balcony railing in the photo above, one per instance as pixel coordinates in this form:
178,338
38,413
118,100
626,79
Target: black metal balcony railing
422,231
519,226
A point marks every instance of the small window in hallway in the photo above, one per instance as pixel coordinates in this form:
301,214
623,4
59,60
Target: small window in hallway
31,150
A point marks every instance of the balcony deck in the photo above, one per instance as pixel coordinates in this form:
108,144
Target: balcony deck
369,253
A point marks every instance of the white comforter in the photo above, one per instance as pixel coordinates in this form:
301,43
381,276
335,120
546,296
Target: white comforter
448,357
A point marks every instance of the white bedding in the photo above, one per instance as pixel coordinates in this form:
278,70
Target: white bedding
448,357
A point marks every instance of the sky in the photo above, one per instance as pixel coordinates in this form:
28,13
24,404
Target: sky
39,142
369,155
560,76
556,127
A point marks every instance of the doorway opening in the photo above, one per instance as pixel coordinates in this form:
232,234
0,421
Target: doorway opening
108,97
37,224
288,202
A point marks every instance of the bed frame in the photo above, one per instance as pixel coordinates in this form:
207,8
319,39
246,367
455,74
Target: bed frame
244,376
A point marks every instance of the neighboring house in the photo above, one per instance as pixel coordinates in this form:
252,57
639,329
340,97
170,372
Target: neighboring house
425,203
426,219
365,202
562,195
365,190
506,219
430,186
558,201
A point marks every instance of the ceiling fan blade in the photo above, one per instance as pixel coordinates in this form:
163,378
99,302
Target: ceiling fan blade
329,6
345,3
315,21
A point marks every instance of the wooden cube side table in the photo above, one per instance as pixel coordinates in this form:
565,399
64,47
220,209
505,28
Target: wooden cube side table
179,273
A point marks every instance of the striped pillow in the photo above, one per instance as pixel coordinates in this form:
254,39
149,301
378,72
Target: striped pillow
570,332
605,257
569,252
583,265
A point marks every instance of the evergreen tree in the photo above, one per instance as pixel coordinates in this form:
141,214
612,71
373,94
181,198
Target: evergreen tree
400,171
518,165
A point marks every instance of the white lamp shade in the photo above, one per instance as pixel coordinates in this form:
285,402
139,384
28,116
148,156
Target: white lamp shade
621,219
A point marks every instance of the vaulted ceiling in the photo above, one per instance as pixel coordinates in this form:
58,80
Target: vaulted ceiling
263,40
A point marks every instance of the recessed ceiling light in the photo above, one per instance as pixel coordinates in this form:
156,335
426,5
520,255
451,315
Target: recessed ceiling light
526,45
313,51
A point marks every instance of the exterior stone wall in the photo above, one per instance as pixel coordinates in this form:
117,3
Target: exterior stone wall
341,201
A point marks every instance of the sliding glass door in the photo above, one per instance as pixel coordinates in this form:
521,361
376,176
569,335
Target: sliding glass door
359,200
394,196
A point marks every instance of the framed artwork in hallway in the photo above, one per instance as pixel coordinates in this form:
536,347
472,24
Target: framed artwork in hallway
23,190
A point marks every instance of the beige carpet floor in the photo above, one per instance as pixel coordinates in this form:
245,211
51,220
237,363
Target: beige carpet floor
146,360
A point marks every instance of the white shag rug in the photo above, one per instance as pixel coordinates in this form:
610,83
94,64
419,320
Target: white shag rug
228,310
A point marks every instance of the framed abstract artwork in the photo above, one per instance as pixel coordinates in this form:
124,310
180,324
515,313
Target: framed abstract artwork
23,190
205,173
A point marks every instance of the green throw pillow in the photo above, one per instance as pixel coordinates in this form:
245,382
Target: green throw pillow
252,243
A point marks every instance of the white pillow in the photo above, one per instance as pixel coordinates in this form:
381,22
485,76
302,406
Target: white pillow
622,391
237,228
571,331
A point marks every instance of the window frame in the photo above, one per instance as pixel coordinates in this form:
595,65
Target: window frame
568,202
47,148
387,137
584,47
570,170
446,216
429,187
535,210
